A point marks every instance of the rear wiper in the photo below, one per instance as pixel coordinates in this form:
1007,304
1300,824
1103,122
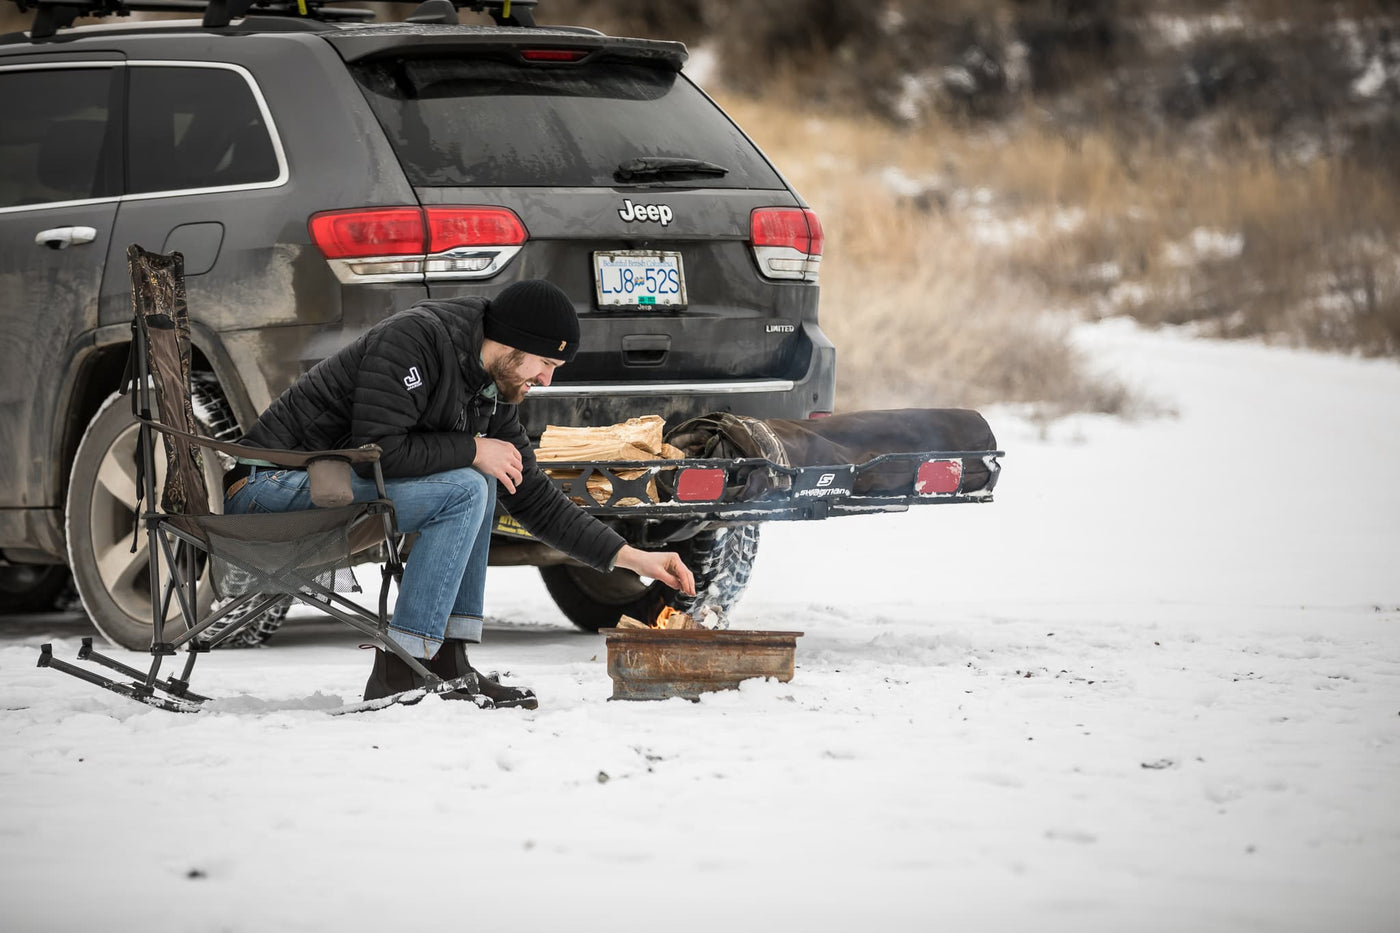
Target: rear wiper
666,167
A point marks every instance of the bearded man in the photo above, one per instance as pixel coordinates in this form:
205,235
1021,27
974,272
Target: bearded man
436,387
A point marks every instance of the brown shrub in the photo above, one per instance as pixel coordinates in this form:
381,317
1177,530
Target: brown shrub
920,315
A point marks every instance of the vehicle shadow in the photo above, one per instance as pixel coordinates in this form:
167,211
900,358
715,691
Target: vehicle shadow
31,627
323,631
22,629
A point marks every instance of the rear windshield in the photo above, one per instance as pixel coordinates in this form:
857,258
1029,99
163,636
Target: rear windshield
478,122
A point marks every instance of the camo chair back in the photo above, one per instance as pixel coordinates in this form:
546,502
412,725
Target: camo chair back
161,325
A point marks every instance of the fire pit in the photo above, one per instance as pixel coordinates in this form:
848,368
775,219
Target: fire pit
656,664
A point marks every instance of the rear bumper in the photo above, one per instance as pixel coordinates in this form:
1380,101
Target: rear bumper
590,404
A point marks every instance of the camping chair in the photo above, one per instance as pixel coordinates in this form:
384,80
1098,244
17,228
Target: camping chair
254,560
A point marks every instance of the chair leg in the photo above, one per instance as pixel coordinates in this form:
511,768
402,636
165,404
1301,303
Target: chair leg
182,580
130,690
177,687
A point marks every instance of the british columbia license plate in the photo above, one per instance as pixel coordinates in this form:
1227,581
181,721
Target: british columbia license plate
639,279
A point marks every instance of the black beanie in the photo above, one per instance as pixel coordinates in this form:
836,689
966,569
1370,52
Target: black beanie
535,316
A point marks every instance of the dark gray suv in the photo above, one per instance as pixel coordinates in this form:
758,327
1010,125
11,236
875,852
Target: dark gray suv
319,174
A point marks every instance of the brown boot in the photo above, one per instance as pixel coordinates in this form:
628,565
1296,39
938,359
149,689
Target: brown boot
392,675
451,661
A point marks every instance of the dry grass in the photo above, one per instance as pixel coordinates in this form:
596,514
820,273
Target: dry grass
949,250
1238,241
920,314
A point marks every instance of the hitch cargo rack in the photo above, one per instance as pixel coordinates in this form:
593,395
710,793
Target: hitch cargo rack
713,490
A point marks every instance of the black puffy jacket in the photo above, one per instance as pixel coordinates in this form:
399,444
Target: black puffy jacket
413,385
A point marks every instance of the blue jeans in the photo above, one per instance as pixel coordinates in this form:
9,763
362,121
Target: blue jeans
445,577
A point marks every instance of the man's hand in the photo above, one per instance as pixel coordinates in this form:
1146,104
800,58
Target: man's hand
500,459
665,566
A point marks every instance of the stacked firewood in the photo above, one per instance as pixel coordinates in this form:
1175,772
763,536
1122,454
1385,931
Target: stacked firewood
633,439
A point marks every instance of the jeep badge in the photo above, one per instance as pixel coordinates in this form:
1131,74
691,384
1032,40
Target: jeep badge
643,212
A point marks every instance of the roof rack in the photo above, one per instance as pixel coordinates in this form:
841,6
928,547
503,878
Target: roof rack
504,12
53,15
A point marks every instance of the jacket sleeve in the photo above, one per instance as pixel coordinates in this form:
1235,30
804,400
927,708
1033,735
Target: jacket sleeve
397,374
546,512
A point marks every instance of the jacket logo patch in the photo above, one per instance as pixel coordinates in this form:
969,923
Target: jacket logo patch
561,344
412,380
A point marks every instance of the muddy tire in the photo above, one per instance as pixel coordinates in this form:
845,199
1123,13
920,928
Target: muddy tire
721,559
257,633
113,582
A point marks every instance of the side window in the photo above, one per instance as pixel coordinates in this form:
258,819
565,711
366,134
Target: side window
194,128
56,139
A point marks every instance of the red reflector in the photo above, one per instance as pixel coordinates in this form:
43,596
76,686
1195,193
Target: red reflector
794,227
699,484
473,226
552,55
380,231
938,476
819,414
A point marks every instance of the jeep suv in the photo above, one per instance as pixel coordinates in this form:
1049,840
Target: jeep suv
318,174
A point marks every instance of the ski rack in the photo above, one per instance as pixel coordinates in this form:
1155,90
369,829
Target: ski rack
52,15
712,490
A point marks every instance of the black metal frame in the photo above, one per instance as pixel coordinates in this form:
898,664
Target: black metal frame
804,497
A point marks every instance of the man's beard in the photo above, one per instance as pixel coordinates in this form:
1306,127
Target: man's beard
510,388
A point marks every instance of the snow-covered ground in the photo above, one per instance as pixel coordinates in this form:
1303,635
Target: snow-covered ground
1154,686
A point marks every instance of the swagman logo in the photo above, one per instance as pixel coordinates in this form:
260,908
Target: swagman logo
660,213
827,484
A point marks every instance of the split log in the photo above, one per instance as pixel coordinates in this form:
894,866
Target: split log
633,439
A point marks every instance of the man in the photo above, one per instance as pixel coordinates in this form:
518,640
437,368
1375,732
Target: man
436,386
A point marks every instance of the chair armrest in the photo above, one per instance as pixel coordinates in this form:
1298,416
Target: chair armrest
293,459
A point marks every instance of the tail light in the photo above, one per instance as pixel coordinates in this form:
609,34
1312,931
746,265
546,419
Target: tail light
395,244
787,242
938,478
566,56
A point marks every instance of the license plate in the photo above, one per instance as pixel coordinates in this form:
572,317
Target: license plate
639,279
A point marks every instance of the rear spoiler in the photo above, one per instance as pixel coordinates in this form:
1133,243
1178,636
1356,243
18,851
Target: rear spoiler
358,43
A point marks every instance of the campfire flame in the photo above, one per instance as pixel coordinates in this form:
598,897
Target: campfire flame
670,618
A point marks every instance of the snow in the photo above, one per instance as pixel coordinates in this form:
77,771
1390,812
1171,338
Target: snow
1371,81
1205,245
1154,686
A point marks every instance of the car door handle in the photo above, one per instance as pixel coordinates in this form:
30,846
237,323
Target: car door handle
62,237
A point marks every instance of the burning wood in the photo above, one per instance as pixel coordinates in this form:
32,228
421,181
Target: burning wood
710,617
633,439
668,618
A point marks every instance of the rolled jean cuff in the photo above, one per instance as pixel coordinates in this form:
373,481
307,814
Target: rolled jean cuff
420,646
464,628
